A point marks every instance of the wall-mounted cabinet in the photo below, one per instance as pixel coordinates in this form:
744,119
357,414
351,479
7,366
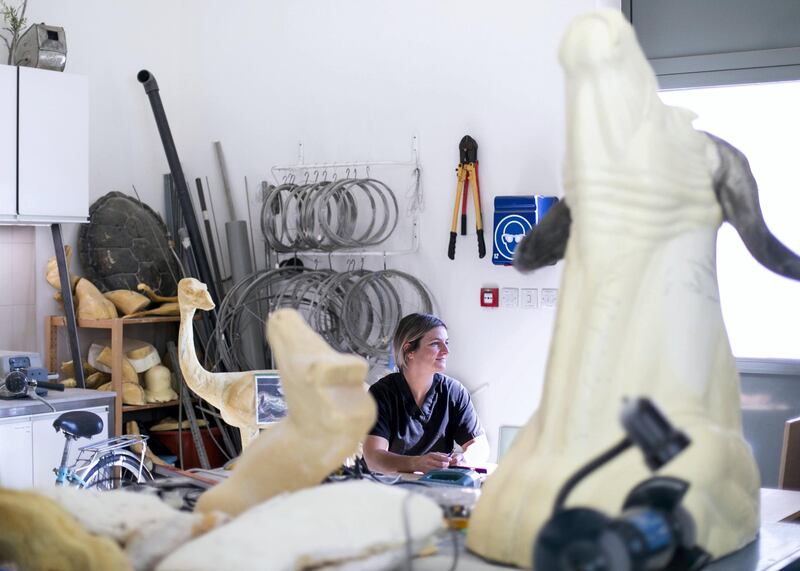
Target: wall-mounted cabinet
44,146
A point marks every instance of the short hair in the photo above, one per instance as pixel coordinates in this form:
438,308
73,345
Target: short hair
411,329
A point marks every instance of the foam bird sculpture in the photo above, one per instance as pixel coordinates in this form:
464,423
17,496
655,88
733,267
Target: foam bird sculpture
639,310
233,393
329,414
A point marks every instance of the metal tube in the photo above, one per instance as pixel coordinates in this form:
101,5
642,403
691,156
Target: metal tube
212,249
151,88
69,308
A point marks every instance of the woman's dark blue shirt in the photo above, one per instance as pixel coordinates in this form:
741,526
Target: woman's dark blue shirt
445,417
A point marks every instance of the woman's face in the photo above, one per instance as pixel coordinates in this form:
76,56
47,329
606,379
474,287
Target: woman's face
431,354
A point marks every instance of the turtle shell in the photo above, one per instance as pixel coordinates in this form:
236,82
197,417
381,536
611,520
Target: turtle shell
125,243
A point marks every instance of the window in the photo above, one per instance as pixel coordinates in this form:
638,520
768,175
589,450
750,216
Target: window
761,309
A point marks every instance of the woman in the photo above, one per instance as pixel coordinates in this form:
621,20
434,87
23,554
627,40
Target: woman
422,413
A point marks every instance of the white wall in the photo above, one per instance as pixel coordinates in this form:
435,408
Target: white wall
17,298
353,80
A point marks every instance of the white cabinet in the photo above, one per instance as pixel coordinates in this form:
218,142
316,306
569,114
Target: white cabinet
16,460
30,448
44,146
8,142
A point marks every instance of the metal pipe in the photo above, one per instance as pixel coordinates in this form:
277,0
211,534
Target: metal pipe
179,180
69,308
212,249
226,185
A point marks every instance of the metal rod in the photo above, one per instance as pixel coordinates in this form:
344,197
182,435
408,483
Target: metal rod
226,186
250,223
69,307
199,446
226,275
178,179
212,249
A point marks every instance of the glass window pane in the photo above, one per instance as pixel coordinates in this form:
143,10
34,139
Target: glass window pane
761,309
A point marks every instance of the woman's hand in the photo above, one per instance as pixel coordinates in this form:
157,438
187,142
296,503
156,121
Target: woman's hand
456,459
431,461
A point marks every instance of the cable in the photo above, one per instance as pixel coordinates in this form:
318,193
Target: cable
355,311
328,215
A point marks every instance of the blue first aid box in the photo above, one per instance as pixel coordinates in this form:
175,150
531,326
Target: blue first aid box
515,216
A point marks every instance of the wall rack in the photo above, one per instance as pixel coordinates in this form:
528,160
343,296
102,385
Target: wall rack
303,171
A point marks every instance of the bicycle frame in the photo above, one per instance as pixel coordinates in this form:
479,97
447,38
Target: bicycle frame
91,454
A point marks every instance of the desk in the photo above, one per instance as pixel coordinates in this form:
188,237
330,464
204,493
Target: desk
777,545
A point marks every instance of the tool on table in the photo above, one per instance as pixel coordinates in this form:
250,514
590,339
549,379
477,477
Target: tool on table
654,531
452,476
22,380
467,171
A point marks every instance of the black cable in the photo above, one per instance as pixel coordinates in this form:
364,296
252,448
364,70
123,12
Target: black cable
593,465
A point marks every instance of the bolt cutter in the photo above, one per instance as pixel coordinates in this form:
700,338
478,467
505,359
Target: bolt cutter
467,171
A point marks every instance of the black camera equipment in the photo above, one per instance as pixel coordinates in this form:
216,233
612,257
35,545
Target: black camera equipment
653,531
23,381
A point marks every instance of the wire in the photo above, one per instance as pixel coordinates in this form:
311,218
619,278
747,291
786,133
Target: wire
355,311
329,215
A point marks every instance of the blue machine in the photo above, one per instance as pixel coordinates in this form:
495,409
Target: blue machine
515,216
453,476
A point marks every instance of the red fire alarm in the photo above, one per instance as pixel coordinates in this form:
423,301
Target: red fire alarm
490,296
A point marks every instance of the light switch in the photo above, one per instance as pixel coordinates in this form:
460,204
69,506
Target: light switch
549,297
529,298
509,297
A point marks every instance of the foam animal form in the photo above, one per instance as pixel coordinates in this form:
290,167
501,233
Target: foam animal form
233,393
639,310
153,296
38,534
91,303
127,301
329,414
52,275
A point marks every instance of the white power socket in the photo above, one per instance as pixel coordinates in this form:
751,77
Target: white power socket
549,297
529,298
509,297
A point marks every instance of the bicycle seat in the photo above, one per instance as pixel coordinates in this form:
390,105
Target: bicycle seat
79,423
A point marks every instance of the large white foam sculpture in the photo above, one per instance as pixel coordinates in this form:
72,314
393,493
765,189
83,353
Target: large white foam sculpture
638,311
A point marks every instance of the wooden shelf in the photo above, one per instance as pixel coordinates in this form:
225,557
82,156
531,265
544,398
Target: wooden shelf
134,407
61,321
115,326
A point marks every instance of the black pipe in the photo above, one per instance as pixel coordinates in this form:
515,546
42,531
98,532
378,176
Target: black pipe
151,88
69,307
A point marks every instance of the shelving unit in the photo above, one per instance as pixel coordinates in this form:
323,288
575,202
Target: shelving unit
116,326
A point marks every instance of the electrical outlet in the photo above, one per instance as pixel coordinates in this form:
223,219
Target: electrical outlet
529,298
549,297
509,297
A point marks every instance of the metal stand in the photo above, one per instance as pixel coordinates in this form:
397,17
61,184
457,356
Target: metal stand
202,456
69,307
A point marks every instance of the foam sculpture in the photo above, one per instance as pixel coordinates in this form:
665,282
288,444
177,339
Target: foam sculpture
36,533
639,311
91,303
145,528
233,393
329,414
158,381
356,525
127,301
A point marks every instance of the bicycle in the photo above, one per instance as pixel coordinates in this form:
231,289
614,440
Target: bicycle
96,465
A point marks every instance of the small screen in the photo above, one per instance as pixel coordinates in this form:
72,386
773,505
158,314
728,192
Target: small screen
270,401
